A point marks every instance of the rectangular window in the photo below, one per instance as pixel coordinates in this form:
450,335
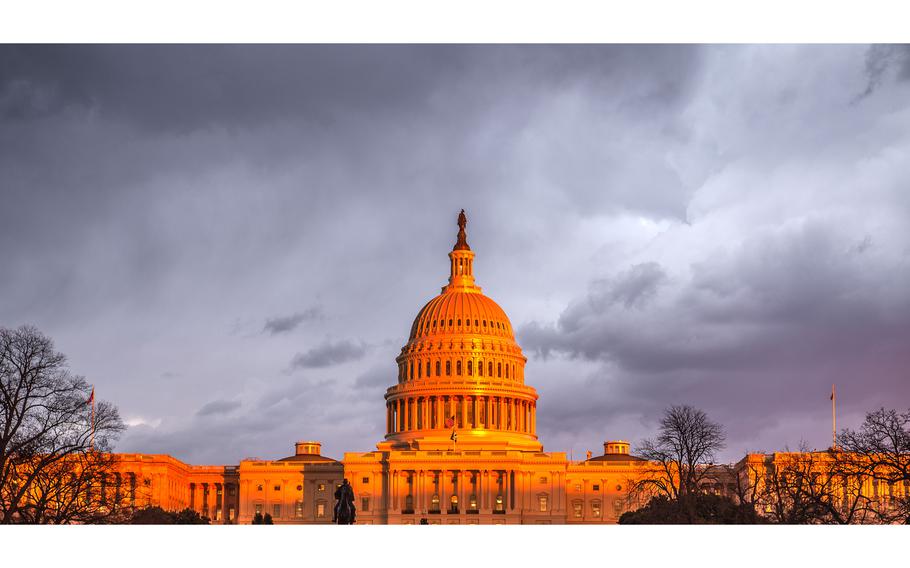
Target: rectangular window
364,504
230,513
231,490
321,487
320,510
277,488
276,511
542,502
365,480
543,480
576,506
298,509
595,509
258,508
217,513
597,488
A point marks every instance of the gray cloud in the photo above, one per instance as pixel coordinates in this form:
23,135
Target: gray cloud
219,407
718,225
284,324
329,353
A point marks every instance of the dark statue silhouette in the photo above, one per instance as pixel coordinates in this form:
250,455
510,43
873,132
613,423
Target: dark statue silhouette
345,512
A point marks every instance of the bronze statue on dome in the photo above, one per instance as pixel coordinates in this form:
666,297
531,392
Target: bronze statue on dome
462,243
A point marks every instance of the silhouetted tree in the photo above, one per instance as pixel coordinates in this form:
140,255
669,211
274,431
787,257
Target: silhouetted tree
49,471
686,444
705,509
257,519
267,519
880,452
158,516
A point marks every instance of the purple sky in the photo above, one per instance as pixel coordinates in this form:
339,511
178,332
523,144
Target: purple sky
231,243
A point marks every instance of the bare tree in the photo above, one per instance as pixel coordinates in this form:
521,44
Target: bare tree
685,447
805,487
53,467
880,452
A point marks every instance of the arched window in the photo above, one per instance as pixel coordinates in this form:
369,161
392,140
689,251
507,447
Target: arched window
480,368
450,323
459,322
485,323
411,374
448,368
419,370
438,368
458,368
499,370
490,368
507,371
428,368
470,368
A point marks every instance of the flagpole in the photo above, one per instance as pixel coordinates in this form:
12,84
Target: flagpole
834,416
92,442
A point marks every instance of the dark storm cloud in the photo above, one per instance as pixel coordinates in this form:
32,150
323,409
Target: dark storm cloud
219,407
711,225
284,324
329,353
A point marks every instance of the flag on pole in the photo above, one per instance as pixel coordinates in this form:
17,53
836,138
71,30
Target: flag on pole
454,436
450,422
91,397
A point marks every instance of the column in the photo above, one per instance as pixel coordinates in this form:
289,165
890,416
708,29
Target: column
464,422
221,502
489,413
443,499
534,418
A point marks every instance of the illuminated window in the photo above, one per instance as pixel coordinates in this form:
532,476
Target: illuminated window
276,511
499,502
320,509
217,513
577,487
595,509
230,514
258,508
434,502
543,480
542,503
472,502
577,509
454,503
298,508
320,487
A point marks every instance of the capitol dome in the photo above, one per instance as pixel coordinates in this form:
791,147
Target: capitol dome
461,373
